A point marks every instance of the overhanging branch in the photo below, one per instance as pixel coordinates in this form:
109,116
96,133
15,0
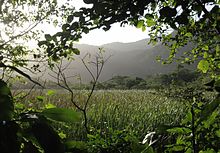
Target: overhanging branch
21,73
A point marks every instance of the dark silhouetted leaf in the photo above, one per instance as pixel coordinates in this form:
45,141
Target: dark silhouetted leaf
88,1
48,37
65,26
70,18
30,148
217,86
47,138
76,51
6,102
9,142
167,12
210,84
41,43
182,19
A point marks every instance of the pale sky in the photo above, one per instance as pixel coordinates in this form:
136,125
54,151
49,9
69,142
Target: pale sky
115,34
99,37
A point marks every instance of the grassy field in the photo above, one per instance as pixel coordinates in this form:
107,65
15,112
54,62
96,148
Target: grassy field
138,111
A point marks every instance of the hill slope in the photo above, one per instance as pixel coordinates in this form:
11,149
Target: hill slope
132,59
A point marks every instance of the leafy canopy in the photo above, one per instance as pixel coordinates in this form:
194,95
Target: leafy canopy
193,21
21,22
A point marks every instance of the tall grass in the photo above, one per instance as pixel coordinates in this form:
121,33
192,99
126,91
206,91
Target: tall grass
138,111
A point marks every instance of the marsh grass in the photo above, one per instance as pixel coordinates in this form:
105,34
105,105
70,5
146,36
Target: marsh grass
138,111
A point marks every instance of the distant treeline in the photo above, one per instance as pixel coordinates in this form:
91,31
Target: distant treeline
179,78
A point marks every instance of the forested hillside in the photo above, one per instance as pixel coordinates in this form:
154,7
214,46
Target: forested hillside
132,59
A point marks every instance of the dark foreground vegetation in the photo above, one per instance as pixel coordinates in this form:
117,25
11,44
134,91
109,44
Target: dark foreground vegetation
177,112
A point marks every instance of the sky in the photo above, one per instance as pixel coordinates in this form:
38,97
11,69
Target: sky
115,34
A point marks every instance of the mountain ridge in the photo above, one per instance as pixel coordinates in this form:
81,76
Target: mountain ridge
132,59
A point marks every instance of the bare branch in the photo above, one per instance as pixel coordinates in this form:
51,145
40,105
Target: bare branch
87,68
62,81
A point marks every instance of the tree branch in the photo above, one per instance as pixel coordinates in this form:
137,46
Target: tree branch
21,73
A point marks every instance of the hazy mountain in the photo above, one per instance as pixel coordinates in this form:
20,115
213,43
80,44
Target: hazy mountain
132,59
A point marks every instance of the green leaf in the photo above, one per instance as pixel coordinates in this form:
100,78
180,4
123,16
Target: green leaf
188,34
19,106
179,130
140,24
40,98
203,66
189,150
50,92
217,133
61,114
211,119
62,135
150,22
143,28
206,47
209,109
47,106
205,55
217,49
